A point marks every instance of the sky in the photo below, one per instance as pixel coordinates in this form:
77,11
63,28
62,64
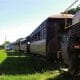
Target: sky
18,18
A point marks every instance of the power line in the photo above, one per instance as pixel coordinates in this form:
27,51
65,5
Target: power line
67,10
71,5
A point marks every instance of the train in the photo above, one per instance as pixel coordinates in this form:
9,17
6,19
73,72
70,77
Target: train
74,45
45,40
57,39
22,44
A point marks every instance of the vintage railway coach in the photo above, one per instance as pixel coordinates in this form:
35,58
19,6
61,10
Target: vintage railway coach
38,40
17,44
74,45
46,39
25,44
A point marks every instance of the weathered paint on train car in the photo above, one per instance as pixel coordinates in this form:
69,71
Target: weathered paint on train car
64,48
38,47
23,45
55,29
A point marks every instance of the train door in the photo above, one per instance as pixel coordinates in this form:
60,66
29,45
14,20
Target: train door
52,41
64,47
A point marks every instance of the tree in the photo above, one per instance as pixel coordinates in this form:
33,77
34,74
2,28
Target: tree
72,11
6,42
1,47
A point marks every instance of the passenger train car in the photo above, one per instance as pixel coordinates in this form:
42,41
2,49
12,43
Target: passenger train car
22,44
25,44
17,44
46,39
53,40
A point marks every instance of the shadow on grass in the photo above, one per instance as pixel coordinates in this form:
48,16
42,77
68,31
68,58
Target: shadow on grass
28,64
15,53
16,64
63,76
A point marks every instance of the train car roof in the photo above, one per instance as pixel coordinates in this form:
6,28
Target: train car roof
62,16
39,27
57,16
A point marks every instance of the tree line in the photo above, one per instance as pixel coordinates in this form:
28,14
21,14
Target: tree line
72,10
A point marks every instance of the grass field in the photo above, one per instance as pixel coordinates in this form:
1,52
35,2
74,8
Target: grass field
15,66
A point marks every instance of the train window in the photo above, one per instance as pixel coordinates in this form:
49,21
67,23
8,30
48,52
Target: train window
41,34
44,33
32,39
35,37
38,34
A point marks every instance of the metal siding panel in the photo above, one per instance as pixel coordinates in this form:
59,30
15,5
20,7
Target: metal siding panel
38,47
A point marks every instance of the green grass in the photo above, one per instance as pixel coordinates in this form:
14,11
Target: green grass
16,66
3,55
